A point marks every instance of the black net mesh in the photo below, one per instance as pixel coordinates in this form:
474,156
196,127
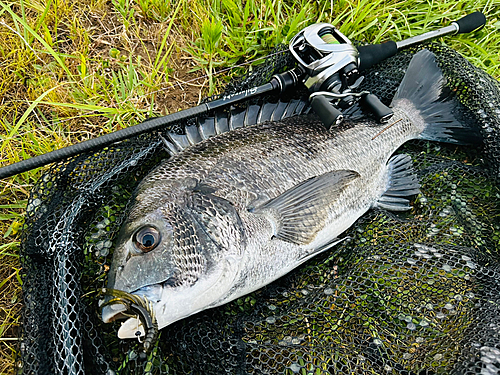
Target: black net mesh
413,293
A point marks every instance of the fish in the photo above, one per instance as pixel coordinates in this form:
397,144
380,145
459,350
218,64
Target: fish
230,214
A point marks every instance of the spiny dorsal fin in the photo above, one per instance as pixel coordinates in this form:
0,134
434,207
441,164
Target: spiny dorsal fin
300,212
234,118
207,128
193,134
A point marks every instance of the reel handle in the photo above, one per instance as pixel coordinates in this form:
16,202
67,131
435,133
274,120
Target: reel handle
380,111
331,116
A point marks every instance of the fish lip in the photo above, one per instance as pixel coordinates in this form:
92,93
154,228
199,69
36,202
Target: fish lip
115,311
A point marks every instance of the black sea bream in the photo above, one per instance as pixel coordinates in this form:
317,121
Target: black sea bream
231,214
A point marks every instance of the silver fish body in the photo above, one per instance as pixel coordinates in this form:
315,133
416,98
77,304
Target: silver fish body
241,209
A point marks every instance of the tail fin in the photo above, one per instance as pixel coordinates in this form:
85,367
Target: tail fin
425,87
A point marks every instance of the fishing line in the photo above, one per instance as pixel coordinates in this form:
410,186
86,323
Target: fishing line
387,127
219,72
148,125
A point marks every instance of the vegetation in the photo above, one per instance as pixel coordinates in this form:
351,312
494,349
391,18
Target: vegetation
71,71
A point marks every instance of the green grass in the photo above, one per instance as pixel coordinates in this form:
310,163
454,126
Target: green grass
71,71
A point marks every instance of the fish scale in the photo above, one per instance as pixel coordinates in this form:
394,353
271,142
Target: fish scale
240,209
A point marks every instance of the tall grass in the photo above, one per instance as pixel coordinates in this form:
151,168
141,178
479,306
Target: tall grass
71,71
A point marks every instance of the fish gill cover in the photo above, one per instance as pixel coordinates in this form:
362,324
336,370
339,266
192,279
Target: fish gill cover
410,293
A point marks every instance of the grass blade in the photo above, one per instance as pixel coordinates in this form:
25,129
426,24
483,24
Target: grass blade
27,28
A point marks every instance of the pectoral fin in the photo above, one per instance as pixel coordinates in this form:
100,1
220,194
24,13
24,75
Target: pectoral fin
300,212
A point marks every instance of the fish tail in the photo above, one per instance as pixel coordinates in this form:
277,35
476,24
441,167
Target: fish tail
423,94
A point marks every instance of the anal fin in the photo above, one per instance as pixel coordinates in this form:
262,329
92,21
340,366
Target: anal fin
393,203
403,182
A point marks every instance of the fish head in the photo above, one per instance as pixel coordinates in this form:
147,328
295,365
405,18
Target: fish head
165,255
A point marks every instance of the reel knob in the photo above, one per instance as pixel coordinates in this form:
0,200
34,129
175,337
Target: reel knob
372,104
328,114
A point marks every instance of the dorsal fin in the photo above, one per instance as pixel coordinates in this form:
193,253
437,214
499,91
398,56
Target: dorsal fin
236,117
179,140
207,127
221,122
193,134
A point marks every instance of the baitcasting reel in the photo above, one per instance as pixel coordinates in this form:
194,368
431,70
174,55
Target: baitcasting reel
329,59
329,69
332,66
330,62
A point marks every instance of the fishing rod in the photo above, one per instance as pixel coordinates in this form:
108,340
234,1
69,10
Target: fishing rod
329,65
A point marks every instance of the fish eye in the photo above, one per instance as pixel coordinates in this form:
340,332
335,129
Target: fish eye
146,239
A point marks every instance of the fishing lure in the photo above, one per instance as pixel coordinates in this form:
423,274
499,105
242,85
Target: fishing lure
138,306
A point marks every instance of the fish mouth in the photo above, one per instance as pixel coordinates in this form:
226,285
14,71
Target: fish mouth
117,302
144,324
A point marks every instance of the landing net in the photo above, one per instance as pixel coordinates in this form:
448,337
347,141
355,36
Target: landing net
413,293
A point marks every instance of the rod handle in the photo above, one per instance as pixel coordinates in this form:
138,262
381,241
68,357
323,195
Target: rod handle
470,22
374,53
